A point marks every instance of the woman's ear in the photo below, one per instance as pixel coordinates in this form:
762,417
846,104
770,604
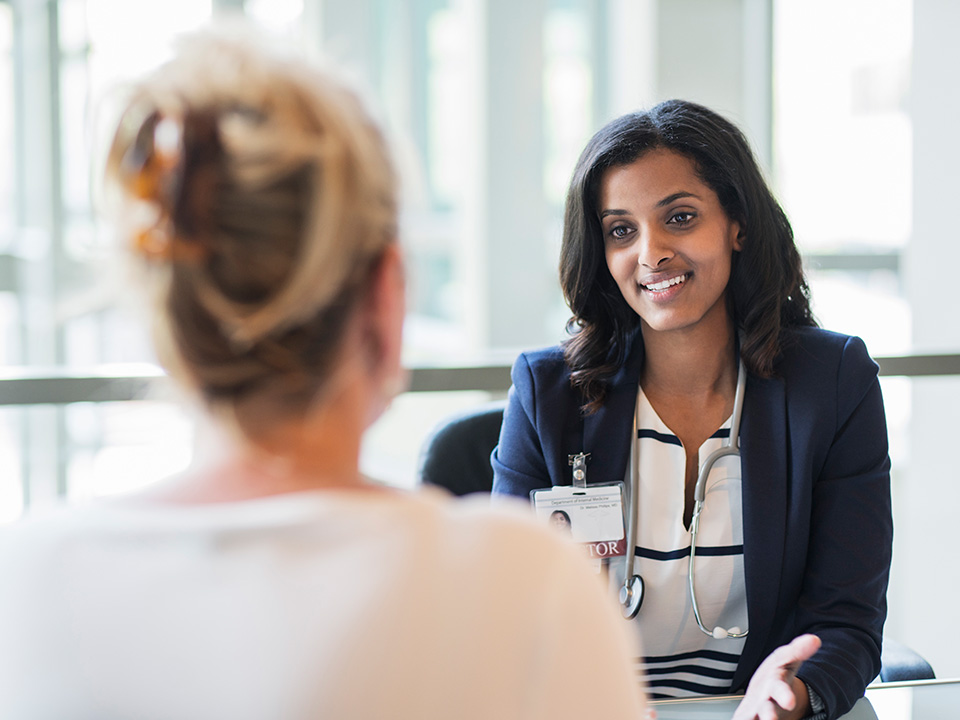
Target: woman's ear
738,236
386,308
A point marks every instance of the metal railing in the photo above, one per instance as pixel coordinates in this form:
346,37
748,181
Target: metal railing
117,383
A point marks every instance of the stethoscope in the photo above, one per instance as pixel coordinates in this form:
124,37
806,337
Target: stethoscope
631,592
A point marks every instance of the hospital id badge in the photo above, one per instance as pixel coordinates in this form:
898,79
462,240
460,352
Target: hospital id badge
591,516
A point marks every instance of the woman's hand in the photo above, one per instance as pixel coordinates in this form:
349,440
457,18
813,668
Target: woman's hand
775,692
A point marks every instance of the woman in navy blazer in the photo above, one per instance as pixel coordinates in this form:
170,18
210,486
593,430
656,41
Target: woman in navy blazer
678,263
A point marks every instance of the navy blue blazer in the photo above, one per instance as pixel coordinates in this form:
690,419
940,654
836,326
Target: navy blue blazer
815,485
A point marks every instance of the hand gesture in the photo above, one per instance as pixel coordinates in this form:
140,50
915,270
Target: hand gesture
775,692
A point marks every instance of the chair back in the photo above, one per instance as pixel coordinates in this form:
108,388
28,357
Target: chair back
899,663
456,455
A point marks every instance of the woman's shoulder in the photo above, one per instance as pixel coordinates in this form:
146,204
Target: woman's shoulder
819,364
514,582
545,359
541,368
806,346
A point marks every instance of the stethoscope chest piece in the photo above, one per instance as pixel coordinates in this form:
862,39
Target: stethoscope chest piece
631,597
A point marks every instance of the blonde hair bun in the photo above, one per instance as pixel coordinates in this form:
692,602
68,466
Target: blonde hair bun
269,197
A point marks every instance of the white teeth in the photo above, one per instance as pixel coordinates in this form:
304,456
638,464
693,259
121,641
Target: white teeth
657,287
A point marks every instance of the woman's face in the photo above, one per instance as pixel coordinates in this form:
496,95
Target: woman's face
560,520
668,242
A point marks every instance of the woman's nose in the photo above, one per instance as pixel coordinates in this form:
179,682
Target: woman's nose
653,250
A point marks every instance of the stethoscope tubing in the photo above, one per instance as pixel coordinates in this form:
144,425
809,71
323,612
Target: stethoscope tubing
630,600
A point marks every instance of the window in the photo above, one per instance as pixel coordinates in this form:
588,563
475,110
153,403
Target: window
843,158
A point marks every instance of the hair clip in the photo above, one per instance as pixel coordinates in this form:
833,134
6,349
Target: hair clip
151,171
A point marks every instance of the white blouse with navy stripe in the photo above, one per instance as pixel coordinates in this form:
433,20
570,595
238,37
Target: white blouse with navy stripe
681,660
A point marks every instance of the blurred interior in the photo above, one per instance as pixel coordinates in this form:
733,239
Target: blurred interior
849,104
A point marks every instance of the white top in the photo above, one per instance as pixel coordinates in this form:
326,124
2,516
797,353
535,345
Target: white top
681,661
315,605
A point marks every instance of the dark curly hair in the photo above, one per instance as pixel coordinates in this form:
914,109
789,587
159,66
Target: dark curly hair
767,292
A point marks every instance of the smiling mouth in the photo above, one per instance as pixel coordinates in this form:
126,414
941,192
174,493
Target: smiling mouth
666,284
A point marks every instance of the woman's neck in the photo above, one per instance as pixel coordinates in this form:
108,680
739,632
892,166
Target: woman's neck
249,473
690,363
319,451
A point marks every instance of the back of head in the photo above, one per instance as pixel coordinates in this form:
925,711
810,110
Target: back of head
259,194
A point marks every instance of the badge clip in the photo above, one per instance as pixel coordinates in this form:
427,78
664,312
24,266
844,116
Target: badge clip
579,462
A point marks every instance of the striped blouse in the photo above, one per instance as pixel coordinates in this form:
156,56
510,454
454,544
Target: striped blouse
681,660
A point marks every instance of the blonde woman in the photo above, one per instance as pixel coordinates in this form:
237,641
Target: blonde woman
258,196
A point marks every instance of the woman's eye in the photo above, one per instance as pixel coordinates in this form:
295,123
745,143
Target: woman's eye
681,218
619,232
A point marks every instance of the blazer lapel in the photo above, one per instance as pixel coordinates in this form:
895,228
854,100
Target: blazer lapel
606,433
763,445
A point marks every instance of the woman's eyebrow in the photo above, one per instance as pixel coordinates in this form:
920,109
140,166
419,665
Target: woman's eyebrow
665,201
604,213
676,196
